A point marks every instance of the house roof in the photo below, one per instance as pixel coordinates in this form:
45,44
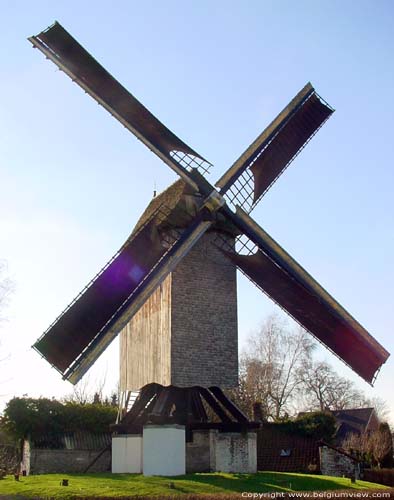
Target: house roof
78,440
357,418
357,415
352,421
300,452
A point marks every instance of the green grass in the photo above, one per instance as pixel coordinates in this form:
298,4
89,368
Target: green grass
122,485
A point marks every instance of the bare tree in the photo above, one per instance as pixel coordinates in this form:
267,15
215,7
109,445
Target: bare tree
87,391
277,371
270,366
80,394
375,447
322,388
6,287
380,406
359,445
252,388
382,444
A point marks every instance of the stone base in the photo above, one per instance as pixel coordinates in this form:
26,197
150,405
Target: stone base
236,452
164,451
214,451
336,462
127,453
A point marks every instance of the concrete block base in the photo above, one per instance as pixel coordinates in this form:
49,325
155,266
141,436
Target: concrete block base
164,450
127,453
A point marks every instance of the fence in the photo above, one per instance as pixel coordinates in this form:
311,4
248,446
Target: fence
380,476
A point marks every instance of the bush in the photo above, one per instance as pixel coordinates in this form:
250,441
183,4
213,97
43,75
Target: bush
318,425
37,417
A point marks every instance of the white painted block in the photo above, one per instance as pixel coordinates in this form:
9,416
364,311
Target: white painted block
127,453
164,450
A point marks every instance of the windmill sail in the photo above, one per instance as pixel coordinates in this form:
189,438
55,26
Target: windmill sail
70,334
291,287
88,325
61,48
130,307
270,154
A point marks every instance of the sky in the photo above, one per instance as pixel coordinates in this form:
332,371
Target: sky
73,181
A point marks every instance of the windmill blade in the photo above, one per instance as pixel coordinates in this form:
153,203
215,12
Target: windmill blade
75,329
277,274
61,48
270,154
90,323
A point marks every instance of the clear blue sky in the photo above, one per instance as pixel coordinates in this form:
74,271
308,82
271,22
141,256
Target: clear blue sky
73,181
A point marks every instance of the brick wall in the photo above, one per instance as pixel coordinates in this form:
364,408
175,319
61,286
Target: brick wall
204,344
236,452
212,451
333,462
58,461
198,452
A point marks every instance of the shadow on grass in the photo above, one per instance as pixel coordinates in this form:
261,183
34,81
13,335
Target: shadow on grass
104,475
263,482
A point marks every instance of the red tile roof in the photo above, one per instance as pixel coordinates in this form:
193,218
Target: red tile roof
271,441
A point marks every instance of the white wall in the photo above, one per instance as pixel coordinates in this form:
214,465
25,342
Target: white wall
164,450
127,453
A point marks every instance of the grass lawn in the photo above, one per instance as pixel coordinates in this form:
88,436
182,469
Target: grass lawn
122,485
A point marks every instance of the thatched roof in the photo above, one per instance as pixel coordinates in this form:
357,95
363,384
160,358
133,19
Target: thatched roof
176,206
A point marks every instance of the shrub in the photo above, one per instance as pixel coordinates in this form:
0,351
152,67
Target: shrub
37,417
318,425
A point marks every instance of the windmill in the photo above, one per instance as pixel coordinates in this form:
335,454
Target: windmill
190,220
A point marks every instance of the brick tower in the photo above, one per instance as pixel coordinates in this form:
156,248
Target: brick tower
186,332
